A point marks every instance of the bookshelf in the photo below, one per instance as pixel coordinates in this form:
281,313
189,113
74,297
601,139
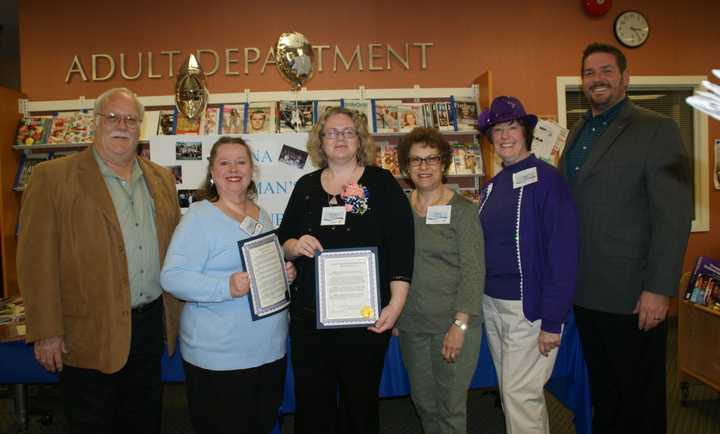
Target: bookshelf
698,344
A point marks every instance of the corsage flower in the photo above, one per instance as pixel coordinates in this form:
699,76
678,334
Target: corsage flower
355,197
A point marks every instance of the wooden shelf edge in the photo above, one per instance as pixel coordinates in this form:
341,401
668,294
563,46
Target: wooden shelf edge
702,308
701,378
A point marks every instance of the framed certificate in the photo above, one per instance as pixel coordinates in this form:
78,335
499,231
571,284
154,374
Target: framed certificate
264,261
347,294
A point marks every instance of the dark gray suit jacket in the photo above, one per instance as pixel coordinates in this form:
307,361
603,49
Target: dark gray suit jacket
634,204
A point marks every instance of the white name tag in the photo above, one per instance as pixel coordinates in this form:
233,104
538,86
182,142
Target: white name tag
438,215
251,226
525,177
332,216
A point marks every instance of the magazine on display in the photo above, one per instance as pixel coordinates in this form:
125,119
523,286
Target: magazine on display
386,115
466,114
704,285
261,118
320,107
410,116
166,123
233,119
295,116
364,107
33,130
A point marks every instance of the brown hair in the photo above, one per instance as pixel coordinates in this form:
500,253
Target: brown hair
429,137
208,191
366,149
597,47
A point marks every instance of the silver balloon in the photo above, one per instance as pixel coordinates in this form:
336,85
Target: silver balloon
191,95
294,58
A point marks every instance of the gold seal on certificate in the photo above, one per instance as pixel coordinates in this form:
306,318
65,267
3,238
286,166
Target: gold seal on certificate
348,292
264,262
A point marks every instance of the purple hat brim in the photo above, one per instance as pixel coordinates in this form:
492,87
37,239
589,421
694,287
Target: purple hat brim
484,124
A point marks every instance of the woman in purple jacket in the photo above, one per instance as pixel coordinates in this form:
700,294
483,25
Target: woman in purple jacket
528,218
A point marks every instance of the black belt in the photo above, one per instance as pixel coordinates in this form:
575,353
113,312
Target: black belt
147,306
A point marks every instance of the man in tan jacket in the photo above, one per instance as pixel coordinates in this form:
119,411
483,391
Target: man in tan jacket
94,228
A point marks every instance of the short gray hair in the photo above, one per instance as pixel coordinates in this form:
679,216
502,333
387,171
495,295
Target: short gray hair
102,99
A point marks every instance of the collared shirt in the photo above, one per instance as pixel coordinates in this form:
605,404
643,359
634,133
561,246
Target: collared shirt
135,211
593,129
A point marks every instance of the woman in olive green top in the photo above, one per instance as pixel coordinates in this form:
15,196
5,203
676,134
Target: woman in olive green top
441,326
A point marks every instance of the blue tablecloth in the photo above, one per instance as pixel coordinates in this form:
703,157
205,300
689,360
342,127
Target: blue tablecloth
569,382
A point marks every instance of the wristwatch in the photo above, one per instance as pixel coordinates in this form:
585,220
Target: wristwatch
457,323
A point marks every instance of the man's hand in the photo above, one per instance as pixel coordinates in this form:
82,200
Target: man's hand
651,309
49,351
547,342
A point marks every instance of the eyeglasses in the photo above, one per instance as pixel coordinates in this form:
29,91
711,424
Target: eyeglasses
113,119
347,133
431,160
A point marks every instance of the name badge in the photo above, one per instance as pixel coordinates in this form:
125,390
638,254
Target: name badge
525,177
438,215
332,216
251,226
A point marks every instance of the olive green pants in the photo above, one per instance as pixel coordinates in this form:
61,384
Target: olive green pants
438,388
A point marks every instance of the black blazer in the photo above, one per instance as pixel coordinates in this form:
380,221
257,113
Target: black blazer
634,204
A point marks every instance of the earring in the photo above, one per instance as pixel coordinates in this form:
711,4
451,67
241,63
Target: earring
212,182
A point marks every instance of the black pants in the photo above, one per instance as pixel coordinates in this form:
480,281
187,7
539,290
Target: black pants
243,401
128,401
627,372
326,362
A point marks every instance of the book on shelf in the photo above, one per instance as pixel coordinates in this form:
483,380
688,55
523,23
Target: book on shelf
261,118
33,130
467,159
25,168
466,114
364,107
295,116
59,126
704,285
386,115
442,116
81,128
233,119
389,159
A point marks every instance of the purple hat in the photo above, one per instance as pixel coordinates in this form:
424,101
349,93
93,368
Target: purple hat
504,109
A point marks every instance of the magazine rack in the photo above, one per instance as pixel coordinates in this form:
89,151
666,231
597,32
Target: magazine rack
698,343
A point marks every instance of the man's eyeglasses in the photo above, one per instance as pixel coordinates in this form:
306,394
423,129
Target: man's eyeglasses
347,133
431,160
114,119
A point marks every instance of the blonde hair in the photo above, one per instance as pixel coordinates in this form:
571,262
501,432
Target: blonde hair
366,149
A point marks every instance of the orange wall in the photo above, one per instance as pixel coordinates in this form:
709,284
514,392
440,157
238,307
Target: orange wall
525,43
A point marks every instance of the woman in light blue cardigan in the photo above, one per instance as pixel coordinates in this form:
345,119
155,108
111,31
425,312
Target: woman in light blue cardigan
235,367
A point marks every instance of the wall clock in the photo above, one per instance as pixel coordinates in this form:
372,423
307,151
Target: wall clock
631,29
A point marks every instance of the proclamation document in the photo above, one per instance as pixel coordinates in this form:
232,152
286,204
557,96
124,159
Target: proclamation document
347,294
264,262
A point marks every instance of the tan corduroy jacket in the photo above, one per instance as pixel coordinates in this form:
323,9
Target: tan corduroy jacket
71,262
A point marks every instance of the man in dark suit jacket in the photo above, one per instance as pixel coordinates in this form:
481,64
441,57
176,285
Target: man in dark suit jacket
629,172
94,228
